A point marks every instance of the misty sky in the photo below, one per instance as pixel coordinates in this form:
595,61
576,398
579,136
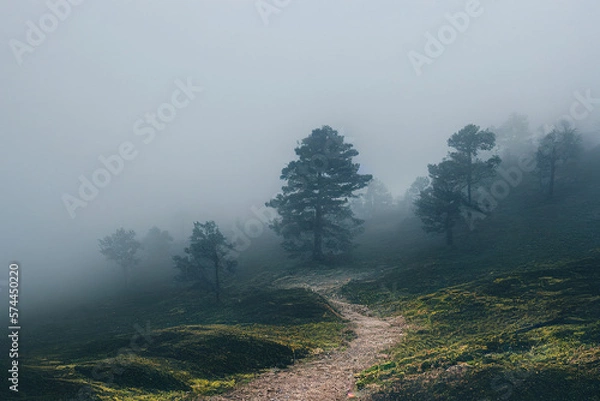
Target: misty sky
78,95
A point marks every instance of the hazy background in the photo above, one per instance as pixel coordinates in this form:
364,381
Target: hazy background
266,86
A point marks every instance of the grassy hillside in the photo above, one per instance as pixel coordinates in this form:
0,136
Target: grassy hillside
511,312
533,333
172,346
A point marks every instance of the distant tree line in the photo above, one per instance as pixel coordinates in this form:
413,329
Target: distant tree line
448,194
326,199
208,250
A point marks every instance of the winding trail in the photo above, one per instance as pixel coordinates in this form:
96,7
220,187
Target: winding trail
330,376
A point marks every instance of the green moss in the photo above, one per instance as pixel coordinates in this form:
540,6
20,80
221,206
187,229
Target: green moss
136,373
532,332
265,329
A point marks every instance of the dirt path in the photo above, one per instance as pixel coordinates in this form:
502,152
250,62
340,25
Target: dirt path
328,377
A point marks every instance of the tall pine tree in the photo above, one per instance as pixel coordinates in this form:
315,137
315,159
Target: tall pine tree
314,214
440,205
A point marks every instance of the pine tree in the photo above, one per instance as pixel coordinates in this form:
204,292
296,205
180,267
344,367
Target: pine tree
468,142
208,249
314,215
556,148
439,205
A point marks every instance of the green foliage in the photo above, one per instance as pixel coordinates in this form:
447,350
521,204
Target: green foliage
468,142
208,249
315,218
439,205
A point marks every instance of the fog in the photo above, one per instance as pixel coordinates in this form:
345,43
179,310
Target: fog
269,76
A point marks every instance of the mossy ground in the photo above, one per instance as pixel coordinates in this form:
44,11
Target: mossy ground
530,334
154,347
